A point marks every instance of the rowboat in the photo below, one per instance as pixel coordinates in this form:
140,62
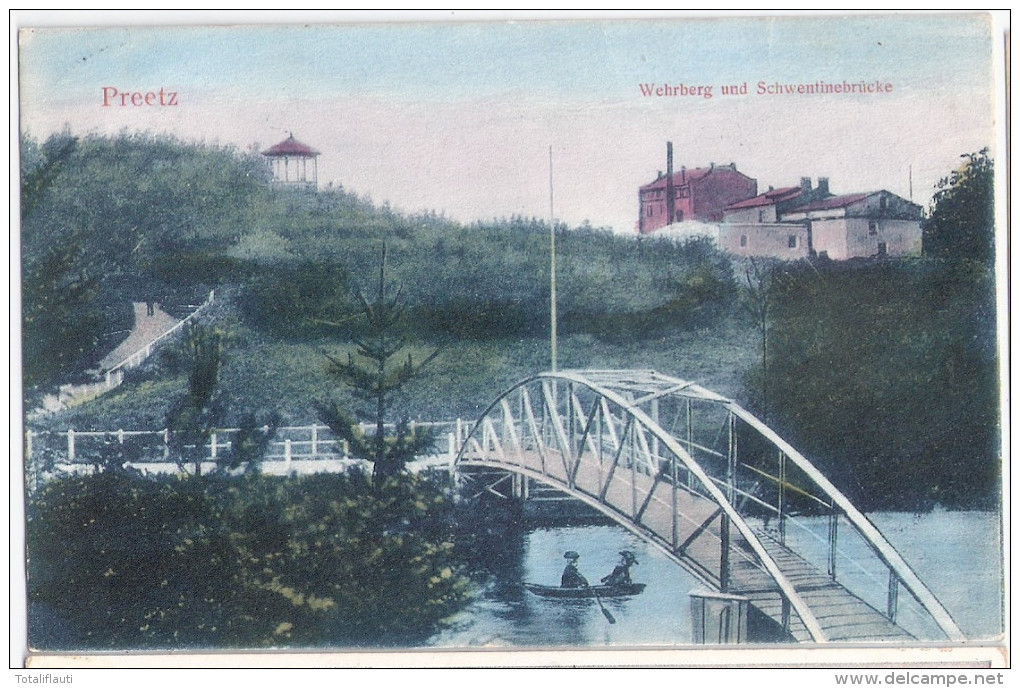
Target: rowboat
624,590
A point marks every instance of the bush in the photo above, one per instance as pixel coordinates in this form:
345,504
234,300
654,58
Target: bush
250,561
298,300
102,214
886,373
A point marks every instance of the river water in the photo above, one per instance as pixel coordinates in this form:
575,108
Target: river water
957,554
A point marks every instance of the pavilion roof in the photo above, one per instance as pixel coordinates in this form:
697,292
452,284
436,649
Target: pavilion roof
291,147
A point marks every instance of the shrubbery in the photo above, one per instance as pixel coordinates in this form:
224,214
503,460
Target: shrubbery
101,215
248,561
885,374
297,300
492,282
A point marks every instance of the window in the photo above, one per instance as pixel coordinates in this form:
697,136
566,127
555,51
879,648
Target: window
872,228
791,241
882,248
743,240
648,212
761,216
685,192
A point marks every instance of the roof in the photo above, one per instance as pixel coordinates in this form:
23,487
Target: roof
768,198
685,176
291,146
832,202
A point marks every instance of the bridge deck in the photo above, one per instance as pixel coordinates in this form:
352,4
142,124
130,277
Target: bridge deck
692,533
842,615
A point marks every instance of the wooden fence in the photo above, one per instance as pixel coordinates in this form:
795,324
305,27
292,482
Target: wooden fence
53,450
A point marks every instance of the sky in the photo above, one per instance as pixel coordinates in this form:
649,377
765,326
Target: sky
460,117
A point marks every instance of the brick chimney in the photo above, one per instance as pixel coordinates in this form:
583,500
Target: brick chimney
805,185
823,187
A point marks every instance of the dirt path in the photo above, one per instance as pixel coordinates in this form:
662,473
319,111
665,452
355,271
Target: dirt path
145,329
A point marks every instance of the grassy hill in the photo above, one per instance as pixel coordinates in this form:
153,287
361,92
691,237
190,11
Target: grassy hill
263,374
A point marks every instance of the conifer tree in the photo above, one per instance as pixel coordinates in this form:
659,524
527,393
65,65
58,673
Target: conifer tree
374,375
250,444
193,419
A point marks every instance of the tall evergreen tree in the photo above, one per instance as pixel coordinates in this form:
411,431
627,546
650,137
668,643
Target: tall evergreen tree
37,178
374,375
193,419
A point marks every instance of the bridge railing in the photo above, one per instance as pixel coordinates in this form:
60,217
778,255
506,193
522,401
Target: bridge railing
789,502
785,506
813,518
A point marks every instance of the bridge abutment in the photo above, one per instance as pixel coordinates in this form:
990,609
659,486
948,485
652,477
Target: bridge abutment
718,618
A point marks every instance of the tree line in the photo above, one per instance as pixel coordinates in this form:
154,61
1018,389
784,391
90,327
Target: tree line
886,372
886,376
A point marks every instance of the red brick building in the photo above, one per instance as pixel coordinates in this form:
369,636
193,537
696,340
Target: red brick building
700,194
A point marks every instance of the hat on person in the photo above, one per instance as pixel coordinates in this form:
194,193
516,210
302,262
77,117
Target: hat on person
571,555
629,556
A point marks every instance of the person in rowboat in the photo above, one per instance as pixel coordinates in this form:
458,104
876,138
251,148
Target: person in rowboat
571,577
621,574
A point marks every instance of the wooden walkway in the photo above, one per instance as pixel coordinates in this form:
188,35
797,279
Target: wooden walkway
692,534
842,615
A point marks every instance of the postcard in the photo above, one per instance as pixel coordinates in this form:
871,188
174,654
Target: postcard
499,340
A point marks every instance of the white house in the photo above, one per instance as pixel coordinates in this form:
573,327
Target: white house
796,222
879,223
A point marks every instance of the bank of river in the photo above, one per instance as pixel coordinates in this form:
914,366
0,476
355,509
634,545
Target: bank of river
956,553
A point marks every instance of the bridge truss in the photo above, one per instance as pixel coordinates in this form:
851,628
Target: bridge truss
715,489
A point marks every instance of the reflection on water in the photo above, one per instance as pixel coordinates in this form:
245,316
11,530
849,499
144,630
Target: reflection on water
956,554
505,614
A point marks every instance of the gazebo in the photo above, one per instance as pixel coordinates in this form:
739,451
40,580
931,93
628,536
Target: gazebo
289,162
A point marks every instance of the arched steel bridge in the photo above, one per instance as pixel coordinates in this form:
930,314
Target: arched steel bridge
715,489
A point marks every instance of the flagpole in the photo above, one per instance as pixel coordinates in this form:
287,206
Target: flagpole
552,265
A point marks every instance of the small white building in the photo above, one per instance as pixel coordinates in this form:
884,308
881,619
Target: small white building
786,240
794,222
879,223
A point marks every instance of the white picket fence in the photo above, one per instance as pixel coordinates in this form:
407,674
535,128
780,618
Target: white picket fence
307,448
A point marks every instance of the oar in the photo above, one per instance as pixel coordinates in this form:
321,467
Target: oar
605,612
